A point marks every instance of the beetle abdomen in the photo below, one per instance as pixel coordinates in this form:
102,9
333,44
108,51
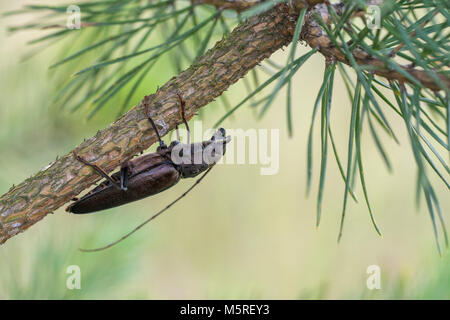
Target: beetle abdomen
140,186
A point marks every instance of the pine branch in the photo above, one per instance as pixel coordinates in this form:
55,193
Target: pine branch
229,60
315,37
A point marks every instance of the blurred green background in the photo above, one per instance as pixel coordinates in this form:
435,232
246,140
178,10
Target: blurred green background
239,234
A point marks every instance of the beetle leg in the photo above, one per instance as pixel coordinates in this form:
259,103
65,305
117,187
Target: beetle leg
183,116
147,112
124,178
96,168
178,133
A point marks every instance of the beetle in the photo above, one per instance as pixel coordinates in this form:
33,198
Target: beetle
152,173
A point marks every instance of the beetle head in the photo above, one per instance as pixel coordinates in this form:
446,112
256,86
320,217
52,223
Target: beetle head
196,158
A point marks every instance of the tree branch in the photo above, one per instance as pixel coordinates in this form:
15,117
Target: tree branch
229,60
316,37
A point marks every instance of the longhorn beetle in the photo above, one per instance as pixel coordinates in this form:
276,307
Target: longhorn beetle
152,173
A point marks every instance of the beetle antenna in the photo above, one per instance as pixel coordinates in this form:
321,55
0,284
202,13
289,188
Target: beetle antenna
183,115
151,218
147,113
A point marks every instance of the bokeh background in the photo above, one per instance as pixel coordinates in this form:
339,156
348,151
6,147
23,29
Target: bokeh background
239,234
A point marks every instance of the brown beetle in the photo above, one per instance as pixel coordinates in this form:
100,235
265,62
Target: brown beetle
151,173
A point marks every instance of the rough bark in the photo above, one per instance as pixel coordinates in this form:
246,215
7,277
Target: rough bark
241,5
228,61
